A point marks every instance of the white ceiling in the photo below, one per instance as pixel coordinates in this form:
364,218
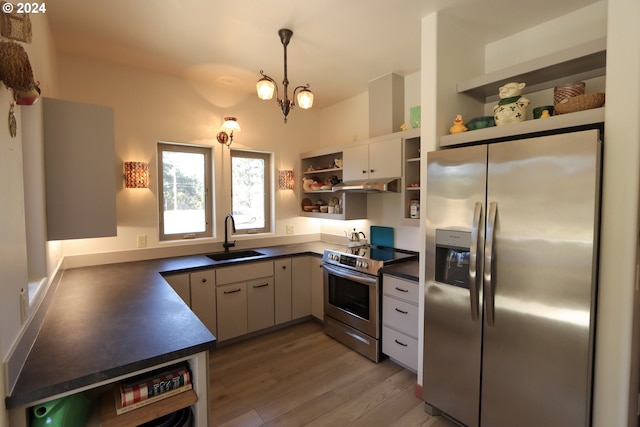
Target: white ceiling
338,46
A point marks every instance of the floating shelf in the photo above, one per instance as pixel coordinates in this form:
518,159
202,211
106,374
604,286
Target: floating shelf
570,120
584,61
317,171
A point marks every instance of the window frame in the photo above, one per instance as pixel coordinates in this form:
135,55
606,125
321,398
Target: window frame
268,187
207,151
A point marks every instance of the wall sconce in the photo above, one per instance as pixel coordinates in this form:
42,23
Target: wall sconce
225,136
136,175
285,181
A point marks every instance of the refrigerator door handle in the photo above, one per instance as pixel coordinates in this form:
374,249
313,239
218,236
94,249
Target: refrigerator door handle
474,278
488,264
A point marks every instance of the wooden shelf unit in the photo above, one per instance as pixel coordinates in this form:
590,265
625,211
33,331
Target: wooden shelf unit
109,418
320,165
411,152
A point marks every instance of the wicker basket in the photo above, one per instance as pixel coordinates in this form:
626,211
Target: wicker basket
579,103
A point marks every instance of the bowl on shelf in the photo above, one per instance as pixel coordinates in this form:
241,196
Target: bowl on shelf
306,205
480,122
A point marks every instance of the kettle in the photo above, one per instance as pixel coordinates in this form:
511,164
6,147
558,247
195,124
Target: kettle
354,236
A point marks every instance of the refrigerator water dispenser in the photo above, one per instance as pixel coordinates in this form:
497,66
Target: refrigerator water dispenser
452,257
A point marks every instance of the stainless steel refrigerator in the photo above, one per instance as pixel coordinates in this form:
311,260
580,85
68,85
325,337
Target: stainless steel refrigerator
512,247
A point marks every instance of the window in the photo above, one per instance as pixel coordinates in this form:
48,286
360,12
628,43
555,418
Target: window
250,191
184,188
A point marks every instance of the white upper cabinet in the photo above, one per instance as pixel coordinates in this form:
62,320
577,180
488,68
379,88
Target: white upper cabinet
377,160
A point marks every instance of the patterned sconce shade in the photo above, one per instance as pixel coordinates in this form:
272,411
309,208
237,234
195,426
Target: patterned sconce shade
285,180
136,175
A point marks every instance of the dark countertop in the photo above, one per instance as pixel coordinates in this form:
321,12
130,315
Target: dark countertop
409,270
111,320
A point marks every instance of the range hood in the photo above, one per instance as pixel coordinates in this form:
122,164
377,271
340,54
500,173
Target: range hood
373,186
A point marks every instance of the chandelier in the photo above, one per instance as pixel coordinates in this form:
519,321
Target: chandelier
266,85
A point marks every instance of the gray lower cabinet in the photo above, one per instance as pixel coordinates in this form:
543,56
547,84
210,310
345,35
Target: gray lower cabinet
282,290
317,288
245,298
235,300
181,284
300,287
203,298
232,310
400,320
198,291
260,304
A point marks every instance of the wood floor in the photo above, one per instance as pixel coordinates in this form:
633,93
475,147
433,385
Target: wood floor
298,376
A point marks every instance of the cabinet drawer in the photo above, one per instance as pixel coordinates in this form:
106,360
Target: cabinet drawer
400,315
242,272
400,288
400,347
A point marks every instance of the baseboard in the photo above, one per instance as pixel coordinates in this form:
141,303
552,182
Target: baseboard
418,391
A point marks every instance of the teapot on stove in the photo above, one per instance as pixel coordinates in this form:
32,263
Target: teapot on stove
354,236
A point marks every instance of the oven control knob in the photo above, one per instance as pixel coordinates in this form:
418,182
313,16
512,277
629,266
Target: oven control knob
364,264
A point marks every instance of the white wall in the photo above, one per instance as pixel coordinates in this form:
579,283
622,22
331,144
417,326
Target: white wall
13,250
348,122
151,107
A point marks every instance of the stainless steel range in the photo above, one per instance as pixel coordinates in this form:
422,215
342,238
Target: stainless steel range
352,295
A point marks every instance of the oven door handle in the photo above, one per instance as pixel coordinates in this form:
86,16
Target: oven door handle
368,280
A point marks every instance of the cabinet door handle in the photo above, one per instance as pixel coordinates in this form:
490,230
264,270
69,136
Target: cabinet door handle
260,286
232,292
401,343
364,171
372,170
401,290
204,280
284,267
401,311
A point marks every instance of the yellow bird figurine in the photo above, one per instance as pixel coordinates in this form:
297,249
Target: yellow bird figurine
458,125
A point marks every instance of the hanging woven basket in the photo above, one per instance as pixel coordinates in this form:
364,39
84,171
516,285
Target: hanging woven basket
15,68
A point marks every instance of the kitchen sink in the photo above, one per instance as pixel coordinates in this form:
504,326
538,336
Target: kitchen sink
224,256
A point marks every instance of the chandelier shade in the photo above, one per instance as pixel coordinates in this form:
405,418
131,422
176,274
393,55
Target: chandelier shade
265,88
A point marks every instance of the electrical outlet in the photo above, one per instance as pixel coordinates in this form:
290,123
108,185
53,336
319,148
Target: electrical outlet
142,241
289,229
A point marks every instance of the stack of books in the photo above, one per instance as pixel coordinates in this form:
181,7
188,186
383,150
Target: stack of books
150,387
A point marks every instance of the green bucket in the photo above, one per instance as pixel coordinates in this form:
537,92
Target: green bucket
69,411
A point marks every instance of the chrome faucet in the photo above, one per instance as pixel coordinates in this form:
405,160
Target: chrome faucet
227,244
